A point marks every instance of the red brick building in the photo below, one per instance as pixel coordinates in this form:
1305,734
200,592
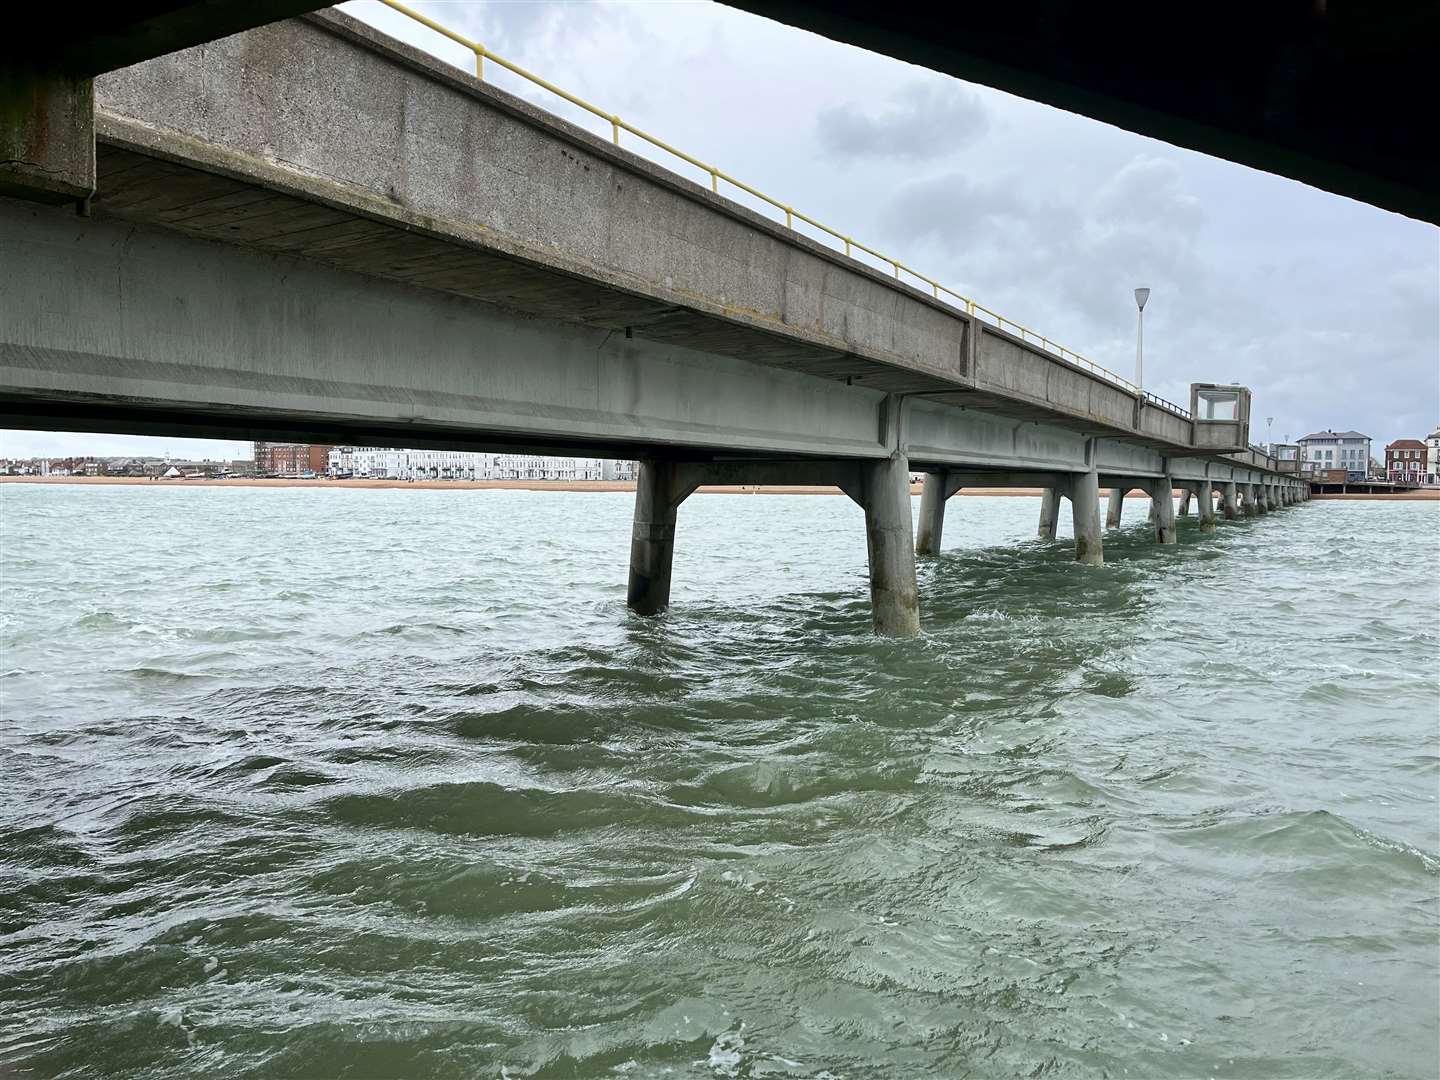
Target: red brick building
1405,461
290,459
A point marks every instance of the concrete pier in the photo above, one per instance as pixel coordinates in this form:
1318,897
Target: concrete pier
933,498
1205,496
894,600
1232,507
652,538
1257,492
1161,497
1185,502
281,213
1085,506
1049,512
1116,508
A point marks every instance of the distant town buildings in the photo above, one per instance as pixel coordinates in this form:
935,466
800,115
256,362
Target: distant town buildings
1334,450
291,459
123,466
385,463
1432,459
1406,461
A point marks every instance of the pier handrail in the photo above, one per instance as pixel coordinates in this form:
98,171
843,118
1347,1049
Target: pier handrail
940,292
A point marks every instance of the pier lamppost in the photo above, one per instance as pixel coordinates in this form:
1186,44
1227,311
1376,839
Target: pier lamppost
1141,295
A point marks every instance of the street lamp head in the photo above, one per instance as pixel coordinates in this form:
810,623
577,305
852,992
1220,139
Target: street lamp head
1141,295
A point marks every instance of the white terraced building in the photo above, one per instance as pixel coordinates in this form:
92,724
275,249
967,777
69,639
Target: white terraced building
1348,450
384,463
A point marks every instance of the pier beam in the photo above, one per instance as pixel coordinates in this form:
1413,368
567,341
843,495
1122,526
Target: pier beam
1049,512
1116,508
1162,497
1085,506
1232,507
894,600
1205,495
652,538
933,496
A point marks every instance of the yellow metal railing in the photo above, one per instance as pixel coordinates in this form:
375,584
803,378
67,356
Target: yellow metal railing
716,175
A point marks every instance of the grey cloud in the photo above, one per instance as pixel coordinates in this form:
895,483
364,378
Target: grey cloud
529,28
921,122
953,212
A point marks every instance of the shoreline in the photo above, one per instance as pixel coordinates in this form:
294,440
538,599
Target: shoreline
1418,495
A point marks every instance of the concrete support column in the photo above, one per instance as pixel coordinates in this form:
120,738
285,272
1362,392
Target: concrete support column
1085,506
933,497
1115,509
1206,497
1258,493
894,601
652,538
1164,511
47,136
1185,502
1232,506
1049,512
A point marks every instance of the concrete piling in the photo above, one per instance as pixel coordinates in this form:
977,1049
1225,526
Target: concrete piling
933,497
1185,502
1164,511
1232,507
1206,498
1257,492
652,539
1085,506
894,600
1115,509
1049,512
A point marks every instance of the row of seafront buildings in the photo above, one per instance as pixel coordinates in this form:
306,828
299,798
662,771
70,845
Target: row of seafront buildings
386,463
1344,457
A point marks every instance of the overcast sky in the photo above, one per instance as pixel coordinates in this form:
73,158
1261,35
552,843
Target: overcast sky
1328,309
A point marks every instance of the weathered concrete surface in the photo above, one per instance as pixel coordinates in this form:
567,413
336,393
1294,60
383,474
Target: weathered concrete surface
1205,503
47,135
1049,513
894,598
933,498
1085,508
652,543
1232,507
1116,508
1161,495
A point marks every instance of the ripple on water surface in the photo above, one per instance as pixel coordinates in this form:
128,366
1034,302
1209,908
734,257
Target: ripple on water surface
369,784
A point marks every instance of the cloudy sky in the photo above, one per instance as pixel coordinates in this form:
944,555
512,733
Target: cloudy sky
1328,309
